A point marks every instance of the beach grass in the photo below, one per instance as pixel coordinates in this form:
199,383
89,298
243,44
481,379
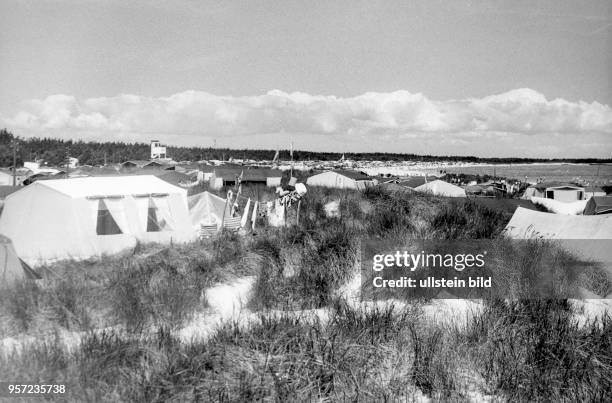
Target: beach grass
306,341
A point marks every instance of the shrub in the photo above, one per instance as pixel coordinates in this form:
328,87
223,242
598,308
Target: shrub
534,350
153,290
22,302
467,220
390,213
377,325
329,261
432,371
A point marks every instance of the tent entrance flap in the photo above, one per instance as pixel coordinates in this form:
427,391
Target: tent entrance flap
106,224
153,222
159,216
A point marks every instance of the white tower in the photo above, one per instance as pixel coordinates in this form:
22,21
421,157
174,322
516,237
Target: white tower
157,150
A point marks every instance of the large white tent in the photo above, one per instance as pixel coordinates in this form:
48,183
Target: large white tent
526,223
587,236
441,188
87,217
341,179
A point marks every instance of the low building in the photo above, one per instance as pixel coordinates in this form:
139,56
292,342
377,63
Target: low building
556,191
342,179
6,178
204,175
140,164
176,178
228,176
32,165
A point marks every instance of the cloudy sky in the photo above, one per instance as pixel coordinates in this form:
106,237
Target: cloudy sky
488,78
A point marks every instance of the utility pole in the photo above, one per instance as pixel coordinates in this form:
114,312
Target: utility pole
291,152
15,146
67,160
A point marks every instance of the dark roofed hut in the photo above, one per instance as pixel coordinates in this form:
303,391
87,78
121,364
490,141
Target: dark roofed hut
227,176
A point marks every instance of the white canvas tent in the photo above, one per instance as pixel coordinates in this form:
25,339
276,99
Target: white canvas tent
559,207
86,217
11,267
341,179
587,236
527,223
441,188
207,209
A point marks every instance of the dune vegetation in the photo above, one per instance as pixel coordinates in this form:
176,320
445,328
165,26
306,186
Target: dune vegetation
304,339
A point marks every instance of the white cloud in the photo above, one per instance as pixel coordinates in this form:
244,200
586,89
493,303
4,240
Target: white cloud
194,113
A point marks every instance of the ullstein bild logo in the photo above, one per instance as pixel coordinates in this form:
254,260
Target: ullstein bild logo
497,268
412,262
433,282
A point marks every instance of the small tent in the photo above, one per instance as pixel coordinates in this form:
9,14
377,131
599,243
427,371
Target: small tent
441,188
81,218
598,205
207,209
12,269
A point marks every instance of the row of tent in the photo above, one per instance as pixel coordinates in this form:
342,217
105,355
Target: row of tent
345,179
434,187
90,217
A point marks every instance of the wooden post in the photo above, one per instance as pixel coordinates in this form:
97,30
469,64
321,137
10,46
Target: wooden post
224,210
297,220
67,162
254,216
291,174
222,222
14,163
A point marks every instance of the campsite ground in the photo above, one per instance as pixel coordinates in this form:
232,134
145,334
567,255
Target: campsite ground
275,317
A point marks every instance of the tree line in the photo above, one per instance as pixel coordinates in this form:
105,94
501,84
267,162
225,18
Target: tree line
55,151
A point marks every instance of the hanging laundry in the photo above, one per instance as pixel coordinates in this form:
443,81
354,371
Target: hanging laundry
245,214
279,211
232,223
234,209
254,216
276,213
